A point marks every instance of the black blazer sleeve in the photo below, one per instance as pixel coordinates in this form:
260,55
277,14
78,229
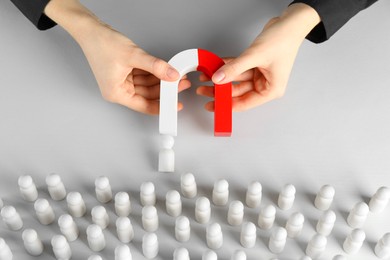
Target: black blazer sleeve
33,10
334,14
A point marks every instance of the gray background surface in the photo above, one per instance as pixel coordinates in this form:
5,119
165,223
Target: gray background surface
332,126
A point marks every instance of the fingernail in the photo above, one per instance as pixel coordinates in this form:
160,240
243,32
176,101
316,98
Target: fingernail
172,73
218,76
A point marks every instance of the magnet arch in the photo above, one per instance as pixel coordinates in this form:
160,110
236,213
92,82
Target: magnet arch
208,63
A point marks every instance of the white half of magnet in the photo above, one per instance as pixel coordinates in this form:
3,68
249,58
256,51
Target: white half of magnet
184,62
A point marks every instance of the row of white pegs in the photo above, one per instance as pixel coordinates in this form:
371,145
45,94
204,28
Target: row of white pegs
103,190
76,207
96,241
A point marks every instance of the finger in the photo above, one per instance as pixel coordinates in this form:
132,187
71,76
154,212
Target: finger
247,75
180,106
250,100
145,80
206,91
140,104
125,95
148,92
243,103
137,72
228,59
209,106
153,92
204,78
241,88
231,70
156,66
237,89
184,84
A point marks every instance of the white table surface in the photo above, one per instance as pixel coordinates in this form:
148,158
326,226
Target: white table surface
331,127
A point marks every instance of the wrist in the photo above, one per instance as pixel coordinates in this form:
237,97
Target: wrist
71,15
300,19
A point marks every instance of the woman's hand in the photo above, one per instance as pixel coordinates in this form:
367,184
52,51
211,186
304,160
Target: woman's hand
261,72
125,73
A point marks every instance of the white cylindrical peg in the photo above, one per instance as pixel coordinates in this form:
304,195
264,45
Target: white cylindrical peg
32,242
100,216
277,241
149,218
11,218
122,252
150,245
95,237
166,160
267,217
235,213
326,223
166,157
173,203
61,248
202,210
294,224
181,254
76,204
103,189
5,251
354,241
27,188
122,204
44,211
147,194
220,195
68,227
55,187
316,246
95,257
182,229
188,185
253,194
382,248
286,197
214,236
209,255
358,215
248,235
379,200
238,255
324,197
124,229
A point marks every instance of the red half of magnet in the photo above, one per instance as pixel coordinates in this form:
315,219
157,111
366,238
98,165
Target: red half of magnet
209,63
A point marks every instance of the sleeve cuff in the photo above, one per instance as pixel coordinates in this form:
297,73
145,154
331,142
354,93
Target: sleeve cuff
33,10
334,14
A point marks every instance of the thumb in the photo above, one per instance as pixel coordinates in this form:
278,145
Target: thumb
234,68
158,67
